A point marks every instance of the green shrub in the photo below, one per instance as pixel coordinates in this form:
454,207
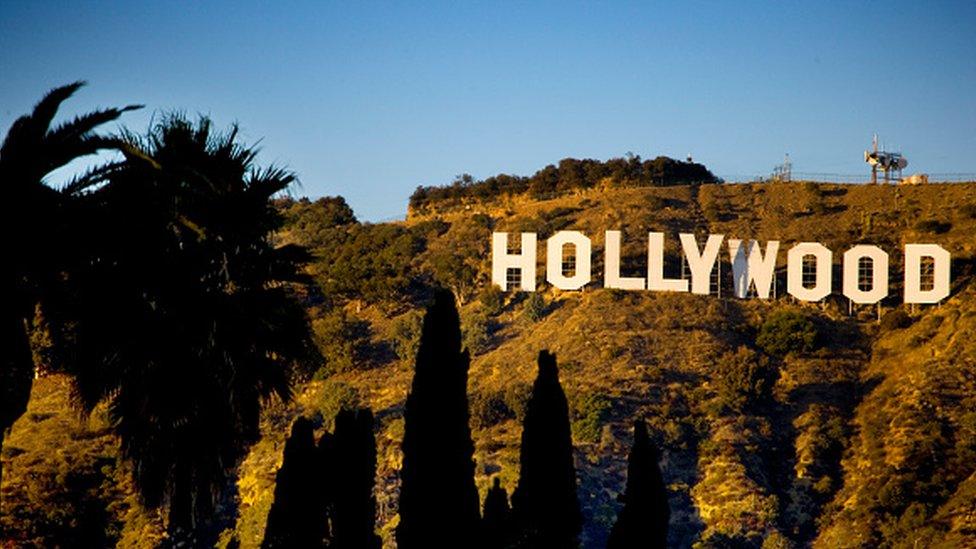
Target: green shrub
343,341
456,258
371,262
742,380
590,411
787,331
896,319
489,409
776,540
406,335
517,397
336,396
535,307
492,298
476,328
329,334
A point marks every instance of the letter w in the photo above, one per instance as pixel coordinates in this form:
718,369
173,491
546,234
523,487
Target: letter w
752,267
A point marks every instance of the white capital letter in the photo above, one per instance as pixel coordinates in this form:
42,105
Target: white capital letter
941,263
524,261
611,266
655,267
701,264
879,274
794,271
554,260
756,268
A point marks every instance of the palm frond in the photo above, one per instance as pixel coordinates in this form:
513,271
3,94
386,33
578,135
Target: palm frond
57,155
84,124
92,178
29,130
47,107
270,181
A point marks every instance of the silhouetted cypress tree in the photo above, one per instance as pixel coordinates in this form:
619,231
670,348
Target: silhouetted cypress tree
438,498
353,476
643,521
544,505
325,482
496,519
295,514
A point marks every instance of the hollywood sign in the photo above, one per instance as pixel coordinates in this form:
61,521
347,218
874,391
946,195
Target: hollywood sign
751,266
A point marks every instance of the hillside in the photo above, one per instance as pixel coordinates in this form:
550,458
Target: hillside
865,438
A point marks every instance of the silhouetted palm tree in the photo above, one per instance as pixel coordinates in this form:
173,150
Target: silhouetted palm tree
180,311
33,222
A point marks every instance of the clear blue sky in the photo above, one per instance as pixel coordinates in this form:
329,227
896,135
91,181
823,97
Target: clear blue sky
371,100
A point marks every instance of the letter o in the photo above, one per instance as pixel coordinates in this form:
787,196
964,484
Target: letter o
554,260
794,271
879,274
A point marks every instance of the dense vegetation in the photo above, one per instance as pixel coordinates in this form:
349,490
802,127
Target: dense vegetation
570,175
754,404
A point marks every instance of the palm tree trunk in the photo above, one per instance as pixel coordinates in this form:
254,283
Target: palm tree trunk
190,519
180,527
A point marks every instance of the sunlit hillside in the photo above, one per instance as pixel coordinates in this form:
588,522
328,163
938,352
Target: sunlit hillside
863,436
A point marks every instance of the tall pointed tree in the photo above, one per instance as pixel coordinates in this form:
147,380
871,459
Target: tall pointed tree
324,482
438,497
34,221
181,313
496,518
643,520
544,505
296,511
353,475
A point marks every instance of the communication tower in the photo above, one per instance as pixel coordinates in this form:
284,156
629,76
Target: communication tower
888,162
783,172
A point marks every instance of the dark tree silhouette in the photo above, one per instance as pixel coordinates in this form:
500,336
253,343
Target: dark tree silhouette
324,480
34,221
496,518
438,498
544,505
570,174
296,515
324,494
352,477
643,521
180,313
